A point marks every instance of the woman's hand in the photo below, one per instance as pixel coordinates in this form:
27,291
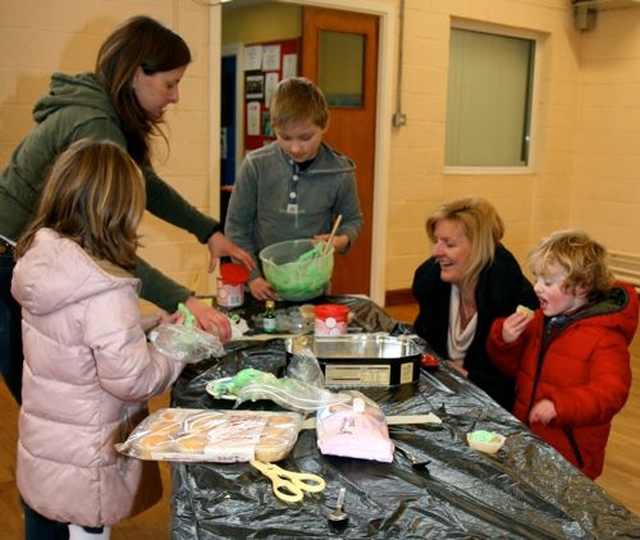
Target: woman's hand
261,290
514,325
171,318
209,319
458,368
220,246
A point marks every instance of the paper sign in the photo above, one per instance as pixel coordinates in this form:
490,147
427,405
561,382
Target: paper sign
270,83
271,58
289,66
252,57
253,118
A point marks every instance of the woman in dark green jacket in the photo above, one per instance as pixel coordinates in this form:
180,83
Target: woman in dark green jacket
137,73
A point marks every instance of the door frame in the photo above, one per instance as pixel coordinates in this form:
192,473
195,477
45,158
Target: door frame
387,32
235,50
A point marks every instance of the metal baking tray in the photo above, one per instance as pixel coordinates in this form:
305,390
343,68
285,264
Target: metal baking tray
357,360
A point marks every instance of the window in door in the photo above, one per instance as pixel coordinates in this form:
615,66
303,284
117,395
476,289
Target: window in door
341,68
489,99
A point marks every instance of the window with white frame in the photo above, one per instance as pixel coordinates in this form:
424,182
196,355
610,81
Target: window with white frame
489,99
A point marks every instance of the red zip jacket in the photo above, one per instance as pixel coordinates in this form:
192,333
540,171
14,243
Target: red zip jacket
583,368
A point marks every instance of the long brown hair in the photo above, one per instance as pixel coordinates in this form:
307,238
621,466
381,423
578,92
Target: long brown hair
482,225
145,43
95,196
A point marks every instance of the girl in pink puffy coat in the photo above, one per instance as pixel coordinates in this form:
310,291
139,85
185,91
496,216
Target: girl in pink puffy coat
570,357
89,369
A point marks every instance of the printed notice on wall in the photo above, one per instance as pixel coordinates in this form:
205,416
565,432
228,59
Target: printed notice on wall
253,58
253,118
271,58
271,81
289,66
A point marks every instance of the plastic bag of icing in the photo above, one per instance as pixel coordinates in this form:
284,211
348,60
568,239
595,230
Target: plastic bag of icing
185,343
356,429
291,394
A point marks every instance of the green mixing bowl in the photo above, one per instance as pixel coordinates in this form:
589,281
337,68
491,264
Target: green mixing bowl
294,272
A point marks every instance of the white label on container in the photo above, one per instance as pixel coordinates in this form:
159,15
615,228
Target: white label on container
329,327
406,373
361,375
228,295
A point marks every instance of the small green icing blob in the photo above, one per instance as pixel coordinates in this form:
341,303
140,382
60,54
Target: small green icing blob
189,318
233,385
247,375
483,436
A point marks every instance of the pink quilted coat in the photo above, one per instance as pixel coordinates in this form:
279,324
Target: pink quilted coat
88,373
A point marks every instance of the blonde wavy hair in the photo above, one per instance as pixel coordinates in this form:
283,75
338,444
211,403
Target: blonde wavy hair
584,260
482,225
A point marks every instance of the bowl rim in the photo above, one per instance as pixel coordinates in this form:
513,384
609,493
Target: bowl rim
297,240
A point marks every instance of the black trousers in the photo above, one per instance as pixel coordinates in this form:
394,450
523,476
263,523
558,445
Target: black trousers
11,358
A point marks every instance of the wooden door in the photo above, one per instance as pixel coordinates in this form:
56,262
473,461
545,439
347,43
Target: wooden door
351,129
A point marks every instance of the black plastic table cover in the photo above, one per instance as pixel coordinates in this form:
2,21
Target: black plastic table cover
437,486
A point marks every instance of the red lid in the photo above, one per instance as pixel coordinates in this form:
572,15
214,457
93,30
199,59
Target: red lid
337,311
430,362
234,274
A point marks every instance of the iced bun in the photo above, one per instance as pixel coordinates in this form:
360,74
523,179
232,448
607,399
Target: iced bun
525,310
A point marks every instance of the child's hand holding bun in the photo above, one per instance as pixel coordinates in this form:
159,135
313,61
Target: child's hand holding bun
514,325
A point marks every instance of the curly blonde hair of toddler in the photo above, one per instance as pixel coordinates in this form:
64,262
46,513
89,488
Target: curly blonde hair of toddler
584,260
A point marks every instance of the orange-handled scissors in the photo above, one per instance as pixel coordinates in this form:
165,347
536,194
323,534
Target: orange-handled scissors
289,486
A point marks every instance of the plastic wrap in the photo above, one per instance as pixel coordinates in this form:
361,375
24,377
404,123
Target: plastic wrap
304,366
291,394
437,487
214,436
356,429
185,343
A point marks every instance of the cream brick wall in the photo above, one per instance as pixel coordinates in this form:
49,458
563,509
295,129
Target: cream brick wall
529,203
38,38
586,170
587,118
606,190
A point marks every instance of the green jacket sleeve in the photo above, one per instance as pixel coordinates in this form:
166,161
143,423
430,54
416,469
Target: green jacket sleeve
158,288
166,203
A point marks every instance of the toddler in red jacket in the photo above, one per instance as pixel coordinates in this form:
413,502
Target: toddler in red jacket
570,357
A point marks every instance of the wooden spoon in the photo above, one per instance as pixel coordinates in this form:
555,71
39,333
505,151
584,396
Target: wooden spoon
333,233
